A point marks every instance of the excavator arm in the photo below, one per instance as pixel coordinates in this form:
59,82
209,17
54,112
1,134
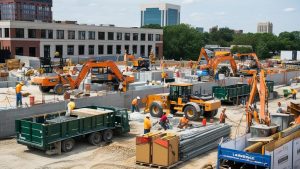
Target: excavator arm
93,64
258,86
222,58
203,53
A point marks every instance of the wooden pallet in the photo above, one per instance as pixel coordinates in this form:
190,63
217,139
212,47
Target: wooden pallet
158,166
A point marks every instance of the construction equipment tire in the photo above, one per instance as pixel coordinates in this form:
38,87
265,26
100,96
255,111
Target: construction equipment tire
108,135
156,109
44,89
59,89
95,138
191,113
67,145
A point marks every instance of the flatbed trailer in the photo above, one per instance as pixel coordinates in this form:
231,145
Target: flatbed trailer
55,132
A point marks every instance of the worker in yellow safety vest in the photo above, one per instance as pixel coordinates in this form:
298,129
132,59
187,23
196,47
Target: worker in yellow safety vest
147,124
135,104
71,106
294,94
19,94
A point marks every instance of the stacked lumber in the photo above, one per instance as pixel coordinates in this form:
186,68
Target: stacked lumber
13,64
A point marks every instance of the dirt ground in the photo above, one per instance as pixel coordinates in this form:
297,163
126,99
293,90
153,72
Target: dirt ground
118,155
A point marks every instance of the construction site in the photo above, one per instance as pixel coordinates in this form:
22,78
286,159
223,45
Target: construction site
223,110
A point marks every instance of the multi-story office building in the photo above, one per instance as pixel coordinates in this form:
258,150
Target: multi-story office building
70,39
26,10
162,14
200,29
265,27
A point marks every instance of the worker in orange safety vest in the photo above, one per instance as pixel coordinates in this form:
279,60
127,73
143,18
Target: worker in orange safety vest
223,116
184,122
135,104
19,94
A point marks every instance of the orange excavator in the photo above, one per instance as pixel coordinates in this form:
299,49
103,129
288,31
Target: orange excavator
258,86
139,64
252,68
212,63
101,72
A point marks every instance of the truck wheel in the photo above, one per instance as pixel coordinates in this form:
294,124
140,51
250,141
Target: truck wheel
95,138
108,135
59,89
191,113
68,145
44,89
156,109
210,114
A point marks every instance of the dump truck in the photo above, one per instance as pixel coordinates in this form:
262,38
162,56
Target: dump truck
236,93
56,132
181,99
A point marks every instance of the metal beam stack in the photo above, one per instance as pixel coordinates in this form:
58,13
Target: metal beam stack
197,141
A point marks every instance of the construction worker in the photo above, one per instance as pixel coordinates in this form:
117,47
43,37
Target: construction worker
147,124
279,109
184,122
294,93
135,104
71,106
164,75
19,94
223,116
164,121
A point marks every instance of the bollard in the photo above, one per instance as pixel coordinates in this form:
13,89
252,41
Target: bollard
204,122
31,100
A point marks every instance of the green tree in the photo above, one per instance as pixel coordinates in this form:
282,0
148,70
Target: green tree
262,50
182,41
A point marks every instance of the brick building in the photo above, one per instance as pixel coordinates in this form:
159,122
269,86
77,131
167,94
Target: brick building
39,39
26,10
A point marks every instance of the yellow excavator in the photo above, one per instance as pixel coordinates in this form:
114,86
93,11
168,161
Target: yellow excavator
181,99
212,63
258,86
102,72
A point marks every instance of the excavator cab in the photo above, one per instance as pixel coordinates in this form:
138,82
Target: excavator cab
180,92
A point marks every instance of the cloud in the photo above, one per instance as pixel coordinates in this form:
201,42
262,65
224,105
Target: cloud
289,9
220,13
189,1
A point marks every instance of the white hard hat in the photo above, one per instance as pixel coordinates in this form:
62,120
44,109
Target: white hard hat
138,97
147,115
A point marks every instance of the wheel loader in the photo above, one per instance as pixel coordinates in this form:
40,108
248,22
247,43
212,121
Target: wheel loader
181,99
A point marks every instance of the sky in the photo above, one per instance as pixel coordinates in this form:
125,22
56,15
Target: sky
235,14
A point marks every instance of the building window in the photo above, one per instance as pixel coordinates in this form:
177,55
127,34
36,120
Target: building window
81,50
150,37
46,34
119,36
31,33
71,34
149,49
134,49
101,35
110,35
19,51
70,49
91,49
142,51
81,35
143,37
100,49
135,36
118,49
157,37
127,49
127,36
59,49
43,34
46,50
91,35
109,49
19,33
6,32
32,51
50,34
0,32
60,34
